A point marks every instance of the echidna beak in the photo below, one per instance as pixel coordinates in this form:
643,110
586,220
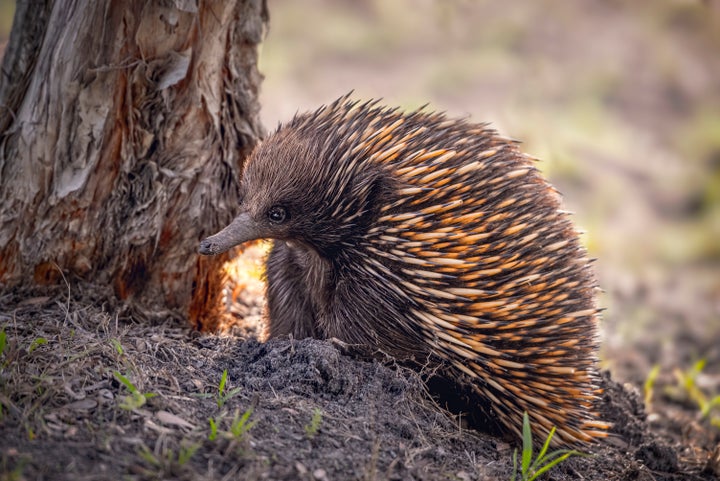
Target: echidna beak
241,229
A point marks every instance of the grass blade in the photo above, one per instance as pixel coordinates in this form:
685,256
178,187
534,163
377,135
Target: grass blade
223,380
3,341
527,444
541,454
131,387
550,465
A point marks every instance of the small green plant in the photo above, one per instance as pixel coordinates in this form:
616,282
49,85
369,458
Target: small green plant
531,470
239,427
312,427
3,345
118,347
222,397
213,430
136,399
187,452
649,386
715,421
3,341
687,381
241,424
168,459
37,343
148,456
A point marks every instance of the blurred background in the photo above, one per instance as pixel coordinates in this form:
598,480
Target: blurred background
619,98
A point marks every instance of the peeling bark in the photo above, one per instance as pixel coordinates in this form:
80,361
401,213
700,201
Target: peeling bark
122,136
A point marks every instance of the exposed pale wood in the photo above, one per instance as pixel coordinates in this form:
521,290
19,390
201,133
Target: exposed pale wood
123,138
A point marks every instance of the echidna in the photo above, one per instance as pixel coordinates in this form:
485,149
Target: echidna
427,237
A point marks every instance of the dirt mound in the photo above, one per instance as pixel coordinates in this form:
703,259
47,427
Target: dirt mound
288,409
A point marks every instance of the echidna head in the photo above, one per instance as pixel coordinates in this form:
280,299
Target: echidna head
295,189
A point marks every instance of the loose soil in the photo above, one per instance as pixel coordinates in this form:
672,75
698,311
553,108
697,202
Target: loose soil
315,410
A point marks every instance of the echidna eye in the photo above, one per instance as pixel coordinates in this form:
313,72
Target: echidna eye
277,214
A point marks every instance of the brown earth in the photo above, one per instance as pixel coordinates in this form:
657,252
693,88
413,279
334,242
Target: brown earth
63,414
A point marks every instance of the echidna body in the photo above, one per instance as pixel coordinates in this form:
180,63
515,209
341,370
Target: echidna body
427,238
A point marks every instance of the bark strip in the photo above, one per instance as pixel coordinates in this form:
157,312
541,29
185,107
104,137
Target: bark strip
124,131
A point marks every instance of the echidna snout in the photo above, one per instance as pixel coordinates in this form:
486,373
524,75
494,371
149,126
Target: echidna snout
430,239
242,229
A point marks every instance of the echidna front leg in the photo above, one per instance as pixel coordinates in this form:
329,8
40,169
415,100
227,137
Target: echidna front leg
290,308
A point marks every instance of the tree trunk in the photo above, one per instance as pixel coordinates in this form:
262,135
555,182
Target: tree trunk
123,130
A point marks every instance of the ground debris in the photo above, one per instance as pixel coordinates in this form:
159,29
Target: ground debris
104,396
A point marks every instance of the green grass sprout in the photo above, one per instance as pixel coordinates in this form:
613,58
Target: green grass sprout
687,382
118,347
136,399
531,470
649,386
313,426
3,341
148,456
37,343
241,425
213,430
187,452
222,397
